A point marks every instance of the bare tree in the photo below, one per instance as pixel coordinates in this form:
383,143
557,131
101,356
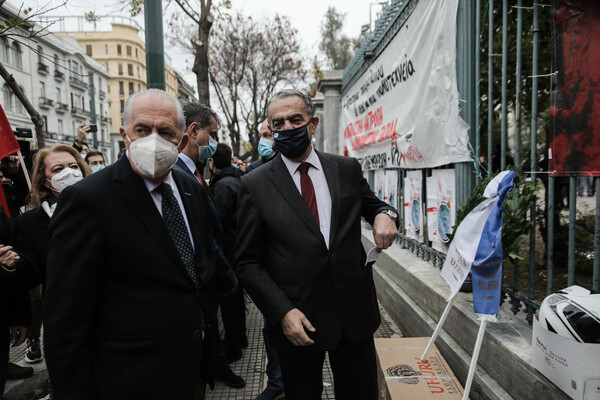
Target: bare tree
249,61
24,28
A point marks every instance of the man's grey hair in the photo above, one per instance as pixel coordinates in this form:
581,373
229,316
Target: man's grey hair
282,94
162,93
200,114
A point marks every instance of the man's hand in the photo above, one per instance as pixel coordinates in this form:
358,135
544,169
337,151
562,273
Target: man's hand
17,335
293,324
384,231
233,288
8,257
82,131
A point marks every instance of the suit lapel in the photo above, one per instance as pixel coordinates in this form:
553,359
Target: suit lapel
134,192
332,175
286,186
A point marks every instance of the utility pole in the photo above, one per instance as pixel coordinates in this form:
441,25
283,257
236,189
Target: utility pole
93,110
155,52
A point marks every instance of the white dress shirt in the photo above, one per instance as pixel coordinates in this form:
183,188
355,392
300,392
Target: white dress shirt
317,176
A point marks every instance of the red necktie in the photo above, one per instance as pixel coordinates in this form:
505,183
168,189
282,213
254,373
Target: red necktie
198,175
308,191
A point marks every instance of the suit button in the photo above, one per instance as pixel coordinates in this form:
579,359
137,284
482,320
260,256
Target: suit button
198,333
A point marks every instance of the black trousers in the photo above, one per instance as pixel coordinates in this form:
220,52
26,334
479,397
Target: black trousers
233,313
354,368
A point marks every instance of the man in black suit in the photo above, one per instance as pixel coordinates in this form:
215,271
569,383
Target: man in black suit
300,257
131,264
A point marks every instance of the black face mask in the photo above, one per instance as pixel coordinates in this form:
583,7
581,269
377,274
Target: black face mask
292,143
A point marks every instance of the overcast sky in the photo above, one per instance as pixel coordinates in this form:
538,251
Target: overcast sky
305,15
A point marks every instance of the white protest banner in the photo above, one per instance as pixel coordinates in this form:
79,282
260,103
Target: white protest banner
413,209
403,112
441,207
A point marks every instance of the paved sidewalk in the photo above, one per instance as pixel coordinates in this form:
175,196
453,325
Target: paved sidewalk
251,366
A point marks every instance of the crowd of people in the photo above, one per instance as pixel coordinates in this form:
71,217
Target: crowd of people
126,265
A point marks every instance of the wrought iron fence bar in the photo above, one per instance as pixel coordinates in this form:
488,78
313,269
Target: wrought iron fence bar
530,304
550,242
534,127
572,223
490,85
477,89
503,130
596,273
518,84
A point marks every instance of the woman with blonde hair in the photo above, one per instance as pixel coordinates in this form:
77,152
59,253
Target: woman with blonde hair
54,169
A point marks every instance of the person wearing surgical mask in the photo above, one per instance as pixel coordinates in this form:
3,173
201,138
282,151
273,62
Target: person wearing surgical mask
265,147
54,170
95,160
202,125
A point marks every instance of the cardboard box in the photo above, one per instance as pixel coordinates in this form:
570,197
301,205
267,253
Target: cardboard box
402,374
572,366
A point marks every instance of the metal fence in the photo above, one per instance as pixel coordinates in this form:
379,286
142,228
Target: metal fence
495,37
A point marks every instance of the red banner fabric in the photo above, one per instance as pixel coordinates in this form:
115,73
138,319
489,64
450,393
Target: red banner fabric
8,141
575,130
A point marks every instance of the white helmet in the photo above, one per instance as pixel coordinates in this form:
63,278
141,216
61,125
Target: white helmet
573,313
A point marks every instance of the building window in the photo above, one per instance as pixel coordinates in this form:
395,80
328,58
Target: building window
60,126
139,87
58,95
121,88
106,67
136,52
119,49
105,49
129,50
130,69
88,49
120,69
74,67
7,98
131,89
4,50
40,52
42,89
108,88
56,64
122,106
138,71
16,55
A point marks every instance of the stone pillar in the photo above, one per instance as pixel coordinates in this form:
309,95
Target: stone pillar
331,86
318,139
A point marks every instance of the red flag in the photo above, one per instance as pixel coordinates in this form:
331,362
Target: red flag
8,141
3,202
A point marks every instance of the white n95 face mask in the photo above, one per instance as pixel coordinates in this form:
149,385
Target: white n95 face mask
65,178
153,155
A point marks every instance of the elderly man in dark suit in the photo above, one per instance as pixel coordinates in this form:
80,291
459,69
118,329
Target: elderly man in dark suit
131,267
300,257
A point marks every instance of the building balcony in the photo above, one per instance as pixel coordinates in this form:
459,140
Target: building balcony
59,76
46,102
61,107
101,94
106,120
80,112
52,135
78,82
43,68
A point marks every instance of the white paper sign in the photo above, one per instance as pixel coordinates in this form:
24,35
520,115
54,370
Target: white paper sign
441,207
413,206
